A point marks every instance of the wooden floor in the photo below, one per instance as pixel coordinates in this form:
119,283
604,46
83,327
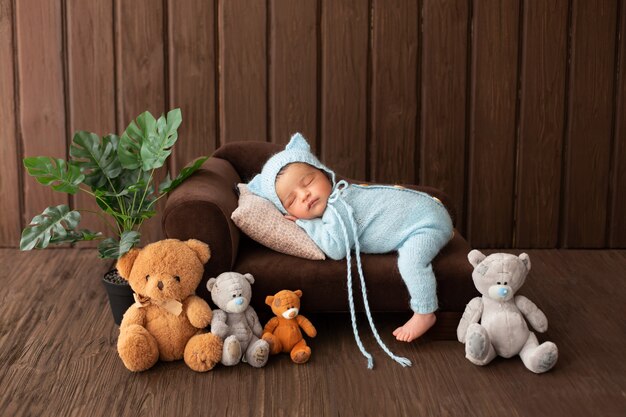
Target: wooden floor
58,355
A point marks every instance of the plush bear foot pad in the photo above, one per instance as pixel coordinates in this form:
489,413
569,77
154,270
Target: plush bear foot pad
259,353
232,351
477,344
544,358
301,356
203,352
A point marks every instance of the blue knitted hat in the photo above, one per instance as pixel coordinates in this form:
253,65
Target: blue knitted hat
297,150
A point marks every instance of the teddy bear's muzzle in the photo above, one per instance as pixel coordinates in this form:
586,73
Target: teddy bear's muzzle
500,292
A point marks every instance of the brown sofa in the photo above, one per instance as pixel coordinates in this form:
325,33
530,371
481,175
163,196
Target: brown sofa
201,207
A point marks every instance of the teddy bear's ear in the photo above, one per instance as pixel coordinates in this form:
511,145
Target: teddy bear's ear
298,293
526,259
475,257
210,284
200,248
249,278
269,300
125,263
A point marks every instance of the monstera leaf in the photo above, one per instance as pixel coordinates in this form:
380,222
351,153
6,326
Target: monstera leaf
56,173
168,184
111,248
155,149
54,226
147,142
97,160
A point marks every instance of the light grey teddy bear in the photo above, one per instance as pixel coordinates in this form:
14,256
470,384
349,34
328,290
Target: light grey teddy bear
235,321
502,329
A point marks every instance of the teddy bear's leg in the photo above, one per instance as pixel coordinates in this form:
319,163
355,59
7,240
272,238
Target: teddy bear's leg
257,353
478,347
537,357
300,352
275,344
203,351
231,355
137,348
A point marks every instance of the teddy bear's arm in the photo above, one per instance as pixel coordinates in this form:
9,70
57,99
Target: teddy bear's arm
134,315
253,322
198,311
473,312
218,324
307,326
535,316
271,325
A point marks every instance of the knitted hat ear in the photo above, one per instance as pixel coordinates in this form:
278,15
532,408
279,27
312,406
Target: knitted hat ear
298,142
255,185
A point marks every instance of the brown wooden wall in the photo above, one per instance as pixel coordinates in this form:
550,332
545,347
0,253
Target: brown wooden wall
515,108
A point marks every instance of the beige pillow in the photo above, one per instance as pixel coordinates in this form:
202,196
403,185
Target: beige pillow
259,219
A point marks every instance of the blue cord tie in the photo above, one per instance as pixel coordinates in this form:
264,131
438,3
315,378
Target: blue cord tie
342,185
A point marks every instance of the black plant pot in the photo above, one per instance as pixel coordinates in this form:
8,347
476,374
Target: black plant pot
120,294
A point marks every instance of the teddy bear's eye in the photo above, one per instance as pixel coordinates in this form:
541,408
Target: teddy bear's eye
234,295
498,282
147,277
177,278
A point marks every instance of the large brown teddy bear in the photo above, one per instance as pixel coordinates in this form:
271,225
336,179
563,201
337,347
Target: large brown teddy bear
168,319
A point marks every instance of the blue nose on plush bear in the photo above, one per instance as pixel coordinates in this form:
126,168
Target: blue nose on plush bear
502,292
239,301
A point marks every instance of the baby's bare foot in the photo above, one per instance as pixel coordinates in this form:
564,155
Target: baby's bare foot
415,327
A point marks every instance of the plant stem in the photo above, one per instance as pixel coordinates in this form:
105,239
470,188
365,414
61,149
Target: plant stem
99,214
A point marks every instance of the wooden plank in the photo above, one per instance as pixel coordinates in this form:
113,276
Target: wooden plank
617,221
91,85
443,98
140,68
293,70
243,65
542,115
492,124
589,128
41,90
394,91
192,82
343,131
59,358
10,221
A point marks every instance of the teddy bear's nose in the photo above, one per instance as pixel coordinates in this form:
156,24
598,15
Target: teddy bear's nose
239,301
502,292
160,285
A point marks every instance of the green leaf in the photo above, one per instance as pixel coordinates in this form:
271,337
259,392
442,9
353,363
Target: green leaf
111,248
192,167
97,160
129,147
155,148
56,173
55,225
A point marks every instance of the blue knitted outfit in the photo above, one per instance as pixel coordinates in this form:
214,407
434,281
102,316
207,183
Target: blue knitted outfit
370,219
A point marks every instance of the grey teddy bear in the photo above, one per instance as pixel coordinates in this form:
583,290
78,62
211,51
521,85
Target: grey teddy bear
502,329
235,321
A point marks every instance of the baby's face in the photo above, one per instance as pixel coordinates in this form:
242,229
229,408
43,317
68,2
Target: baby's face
303,190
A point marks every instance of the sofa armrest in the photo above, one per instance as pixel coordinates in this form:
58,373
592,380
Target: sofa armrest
200,208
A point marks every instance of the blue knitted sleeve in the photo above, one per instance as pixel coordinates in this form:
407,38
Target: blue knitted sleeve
328,235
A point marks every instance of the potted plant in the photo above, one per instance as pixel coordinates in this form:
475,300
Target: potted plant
118,172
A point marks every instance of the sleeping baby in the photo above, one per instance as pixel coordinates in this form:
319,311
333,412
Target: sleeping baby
341,217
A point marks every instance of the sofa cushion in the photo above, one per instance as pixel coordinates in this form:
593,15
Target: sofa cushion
325,286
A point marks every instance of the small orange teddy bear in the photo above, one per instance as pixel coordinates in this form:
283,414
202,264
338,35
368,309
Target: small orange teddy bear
283,331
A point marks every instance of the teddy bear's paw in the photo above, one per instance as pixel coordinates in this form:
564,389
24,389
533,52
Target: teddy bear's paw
477,343
231,354
137,348
258,354
203,352
544,358
301,355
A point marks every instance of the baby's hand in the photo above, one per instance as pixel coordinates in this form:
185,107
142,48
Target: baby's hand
290,217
